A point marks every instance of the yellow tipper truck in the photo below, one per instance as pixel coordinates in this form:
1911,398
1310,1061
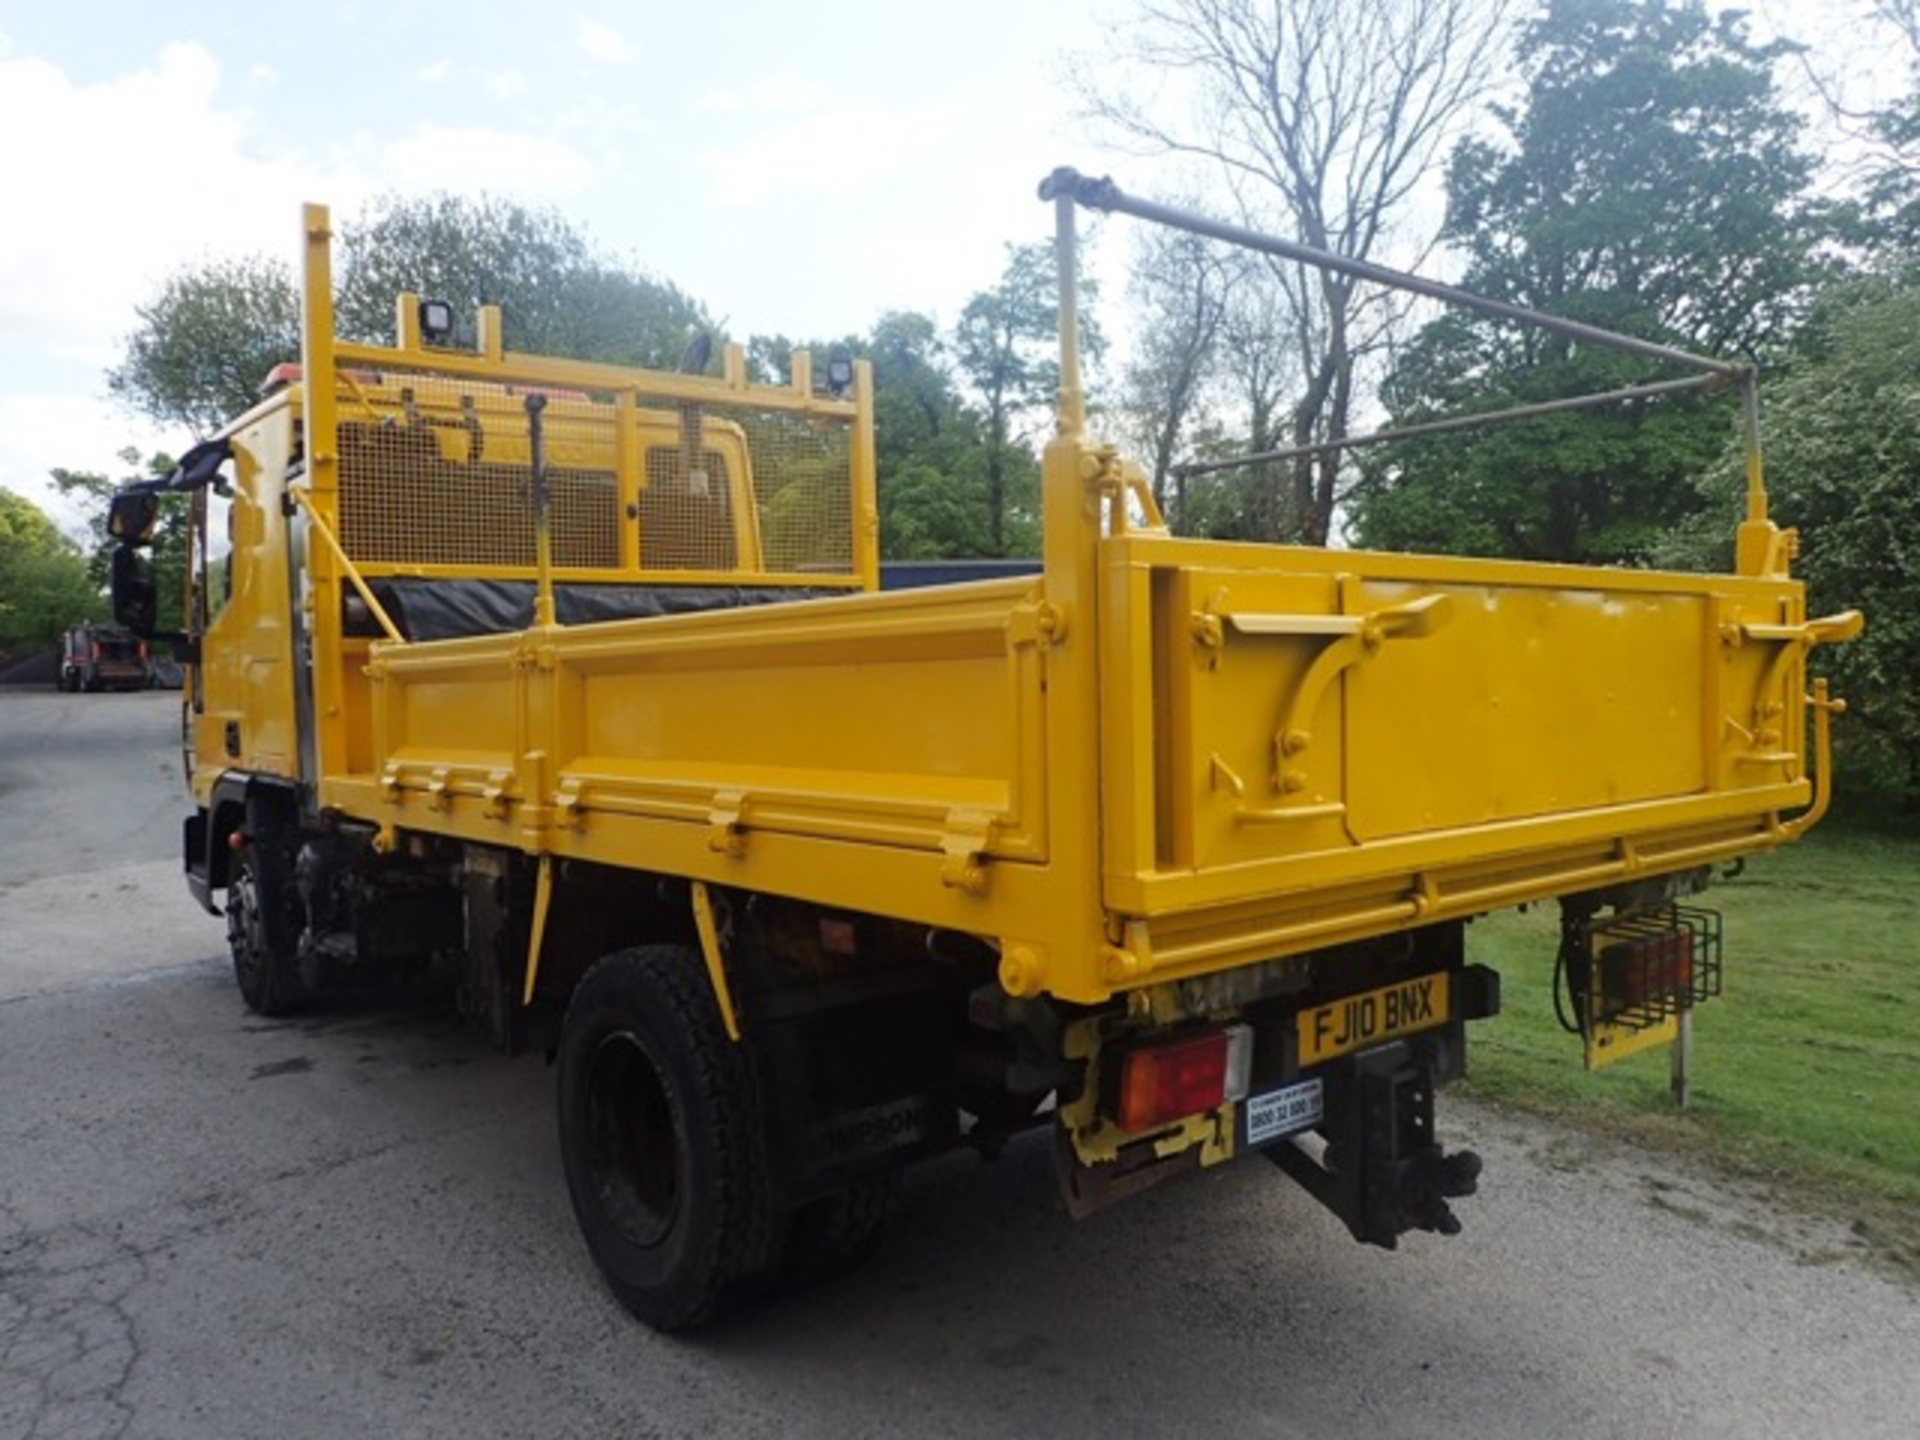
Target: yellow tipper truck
577,686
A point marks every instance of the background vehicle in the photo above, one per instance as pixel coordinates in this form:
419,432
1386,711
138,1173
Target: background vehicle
101,657
576,684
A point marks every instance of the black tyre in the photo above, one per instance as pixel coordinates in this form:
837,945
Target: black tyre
836,1233
663,1140
263,931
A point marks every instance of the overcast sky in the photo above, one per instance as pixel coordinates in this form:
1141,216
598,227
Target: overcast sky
799,167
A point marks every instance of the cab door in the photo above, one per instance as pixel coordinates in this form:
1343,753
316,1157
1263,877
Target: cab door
242,690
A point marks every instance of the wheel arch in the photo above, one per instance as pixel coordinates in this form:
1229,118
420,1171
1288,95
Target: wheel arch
239,799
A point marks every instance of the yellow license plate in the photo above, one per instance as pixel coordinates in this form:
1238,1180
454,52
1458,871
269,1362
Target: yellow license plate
1357,1021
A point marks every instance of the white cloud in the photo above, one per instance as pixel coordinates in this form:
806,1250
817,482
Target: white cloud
787,91
129,178
783,90
440,157
600,41
39,432
838,152
150,172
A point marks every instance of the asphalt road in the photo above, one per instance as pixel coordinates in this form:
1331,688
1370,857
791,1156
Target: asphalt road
355,1225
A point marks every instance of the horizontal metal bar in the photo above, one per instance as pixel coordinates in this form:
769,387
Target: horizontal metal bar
1103,194
1457,423
597,378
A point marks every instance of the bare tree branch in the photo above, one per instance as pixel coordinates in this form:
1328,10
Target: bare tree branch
1321,119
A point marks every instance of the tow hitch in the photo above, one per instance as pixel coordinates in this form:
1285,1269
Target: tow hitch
1381,1171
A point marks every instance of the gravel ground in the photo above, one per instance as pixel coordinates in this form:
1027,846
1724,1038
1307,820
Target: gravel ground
354,1224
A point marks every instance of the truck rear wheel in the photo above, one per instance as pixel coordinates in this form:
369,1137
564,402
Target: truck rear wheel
837,1233
262,932
663,1140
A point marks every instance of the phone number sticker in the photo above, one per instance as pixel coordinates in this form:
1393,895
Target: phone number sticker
1286,1111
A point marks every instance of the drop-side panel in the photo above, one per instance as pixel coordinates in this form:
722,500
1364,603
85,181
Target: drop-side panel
825,747
1343,743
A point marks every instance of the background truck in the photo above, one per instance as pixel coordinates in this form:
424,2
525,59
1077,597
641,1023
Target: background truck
101,657
576,686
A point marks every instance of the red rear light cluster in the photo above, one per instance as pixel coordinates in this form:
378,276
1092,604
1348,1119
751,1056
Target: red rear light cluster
1172,1079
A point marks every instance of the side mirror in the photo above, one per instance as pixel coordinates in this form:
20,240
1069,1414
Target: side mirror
133,588
130,519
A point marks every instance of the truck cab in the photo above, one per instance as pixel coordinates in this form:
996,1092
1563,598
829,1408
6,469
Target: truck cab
101,657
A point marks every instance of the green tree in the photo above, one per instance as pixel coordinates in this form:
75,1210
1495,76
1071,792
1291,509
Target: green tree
928,447
207,340
1650,183
928,455
166,556
556,295
205,343
919,416
623,316
1843,467
44,585
1005,347
94,491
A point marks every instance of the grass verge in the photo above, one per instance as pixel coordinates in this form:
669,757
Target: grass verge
1806,1072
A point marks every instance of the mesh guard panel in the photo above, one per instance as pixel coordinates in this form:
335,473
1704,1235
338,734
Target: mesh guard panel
404,502
686,516
802,473
436,472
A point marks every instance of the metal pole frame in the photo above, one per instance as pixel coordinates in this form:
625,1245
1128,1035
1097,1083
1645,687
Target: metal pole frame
1457,423
1067,186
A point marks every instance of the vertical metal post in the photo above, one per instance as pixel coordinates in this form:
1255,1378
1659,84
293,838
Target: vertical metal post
1757,547
866,495
1068,657
323,745
316,353
1072,418
1682,1062
542,534
626,466
1750,436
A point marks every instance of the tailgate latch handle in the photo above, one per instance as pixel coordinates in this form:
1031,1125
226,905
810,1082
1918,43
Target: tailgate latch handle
1348,640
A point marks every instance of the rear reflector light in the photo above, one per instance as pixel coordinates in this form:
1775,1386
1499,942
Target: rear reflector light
1188,1076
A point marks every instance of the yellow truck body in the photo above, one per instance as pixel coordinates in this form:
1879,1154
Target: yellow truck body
543,665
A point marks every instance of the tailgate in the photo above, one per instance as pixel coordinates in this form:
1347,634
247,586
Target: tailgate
1306,746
